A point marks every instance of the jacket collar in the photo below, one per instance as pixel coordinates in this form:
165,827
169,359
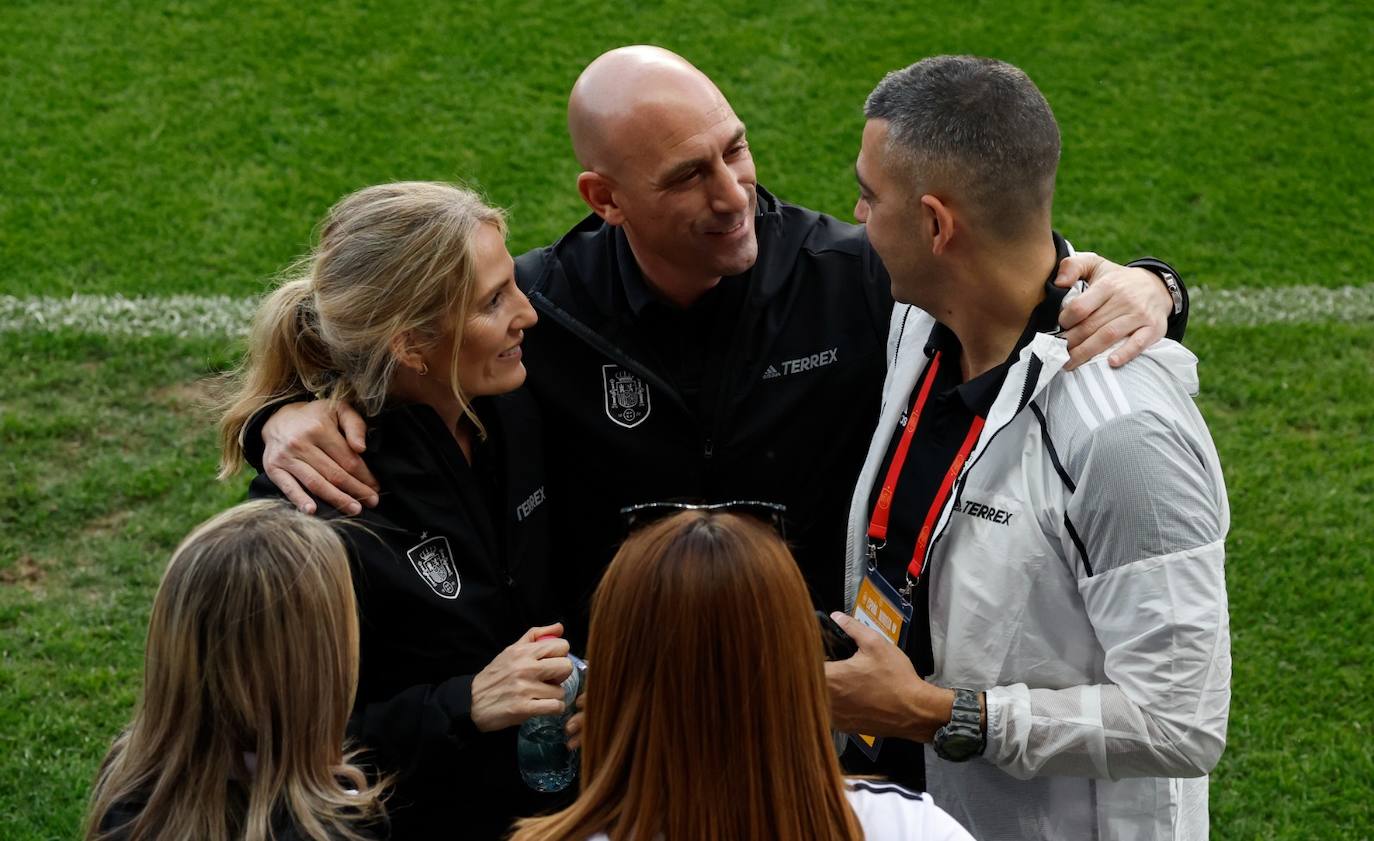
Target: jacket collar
980,392
605,280
413,438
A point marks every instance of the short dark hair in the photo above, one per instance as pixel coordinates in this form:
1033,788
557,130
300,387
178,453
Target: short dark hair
977,124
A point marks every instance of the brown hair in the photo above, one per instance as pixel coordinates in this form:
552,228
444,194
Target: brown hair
252,648
393,259
707,712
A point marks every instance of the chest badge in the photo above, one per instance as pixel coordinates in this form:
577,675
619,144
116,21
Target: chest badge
626,396
433,560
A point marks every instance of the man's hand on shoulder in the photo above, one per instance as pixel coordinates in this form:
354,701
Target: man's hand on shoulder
313,448
1119,303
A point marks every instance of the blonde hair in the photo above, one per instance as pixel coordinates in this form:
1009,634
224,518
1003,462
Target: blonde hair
392,260
707,711
252,648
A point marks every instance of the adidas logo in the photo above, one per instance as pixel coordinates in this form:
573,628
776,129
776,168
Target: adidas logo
803,363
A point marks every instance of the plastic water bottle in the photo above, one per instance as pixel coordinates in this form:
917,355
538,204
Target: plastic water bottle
541,747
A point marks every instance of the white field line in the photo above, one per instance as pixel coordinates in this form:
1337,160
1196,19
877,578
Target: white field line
219,315
1281,305
116,315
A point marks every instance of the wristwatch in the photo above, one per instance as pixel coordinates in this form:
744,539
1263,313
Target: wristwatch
1171,283
962,739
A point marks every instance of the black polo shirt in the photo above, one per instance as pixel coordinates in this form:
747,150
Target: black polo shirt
949,412
688,344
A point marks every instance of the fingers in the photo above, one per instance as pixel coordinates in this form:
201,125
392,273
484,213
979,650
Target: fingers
509,690
1135,345
1100,267
863,635
533,634
541,707
555,648
1101,339
539,690
291,490
545,651
1080,265
322,488
554,669
573,730
354,428
513,713
303,439
337,462
1084,306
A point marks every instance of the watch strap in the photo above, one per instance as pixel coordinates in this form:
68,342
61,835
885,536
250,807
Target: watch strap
966,723
966,707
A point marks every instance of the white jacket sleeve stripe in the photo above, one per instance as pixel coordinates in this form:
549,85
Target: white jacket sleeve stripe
1076,396
1113,381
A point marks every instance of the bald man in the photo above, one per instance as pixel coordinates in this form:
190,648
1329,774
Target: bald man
699,338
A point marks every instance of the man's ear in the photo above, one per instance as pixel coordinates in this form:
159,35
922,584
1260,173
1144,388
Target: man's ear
936,214
599,194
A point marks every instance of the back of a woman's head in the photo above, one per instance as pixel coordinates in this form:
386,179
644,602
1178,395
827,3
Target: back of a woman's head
705,620
249,674
392,260
707,714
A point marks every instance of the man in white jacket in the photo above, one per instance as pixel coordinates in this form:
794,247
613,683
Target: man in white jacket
1057,536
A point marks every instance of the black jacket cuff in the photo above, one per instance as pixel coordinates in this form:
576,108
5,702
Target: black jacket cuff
252,431
455,696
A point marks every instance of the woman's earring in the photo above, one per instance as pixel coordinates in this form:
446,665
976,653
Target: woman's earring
424,369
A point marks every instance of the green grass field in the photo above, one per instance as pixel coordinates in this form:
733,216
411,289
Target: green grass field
189,147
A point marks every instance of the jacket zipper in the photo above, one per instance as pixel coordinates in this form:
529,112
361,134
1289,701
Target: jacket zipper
708,449
586,334
963,480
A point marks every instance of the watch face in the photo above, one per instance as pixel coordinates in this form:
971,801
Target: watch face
958,747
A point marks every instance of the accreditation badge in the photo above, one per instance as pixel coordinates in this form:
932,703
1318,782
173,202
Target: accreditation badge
882,608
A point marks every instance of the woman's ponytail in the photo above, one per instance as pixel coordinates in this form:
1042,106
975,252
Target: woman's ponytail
285,357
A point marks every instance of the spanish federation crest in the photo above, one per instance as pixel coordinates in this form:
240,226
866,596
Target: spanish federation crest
627,396
433,560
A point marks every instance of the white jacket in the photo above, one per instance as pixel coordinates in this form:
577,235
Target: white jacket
1077,576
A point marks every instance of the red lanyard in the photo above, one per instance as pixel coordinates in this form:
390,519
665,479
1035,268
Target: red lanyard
877,526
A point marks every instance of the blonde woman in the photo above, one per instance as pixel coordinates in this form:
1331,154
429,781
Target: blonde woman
707,716
249,674
407,309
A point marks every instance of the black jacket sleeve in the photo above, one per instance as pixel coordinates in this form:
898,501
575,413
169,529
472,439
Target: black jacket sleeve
252,431
408,730
404,729
425,729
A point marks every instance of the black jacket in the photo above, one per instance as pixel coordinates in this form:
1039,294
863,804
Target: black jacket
786,405
450,568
